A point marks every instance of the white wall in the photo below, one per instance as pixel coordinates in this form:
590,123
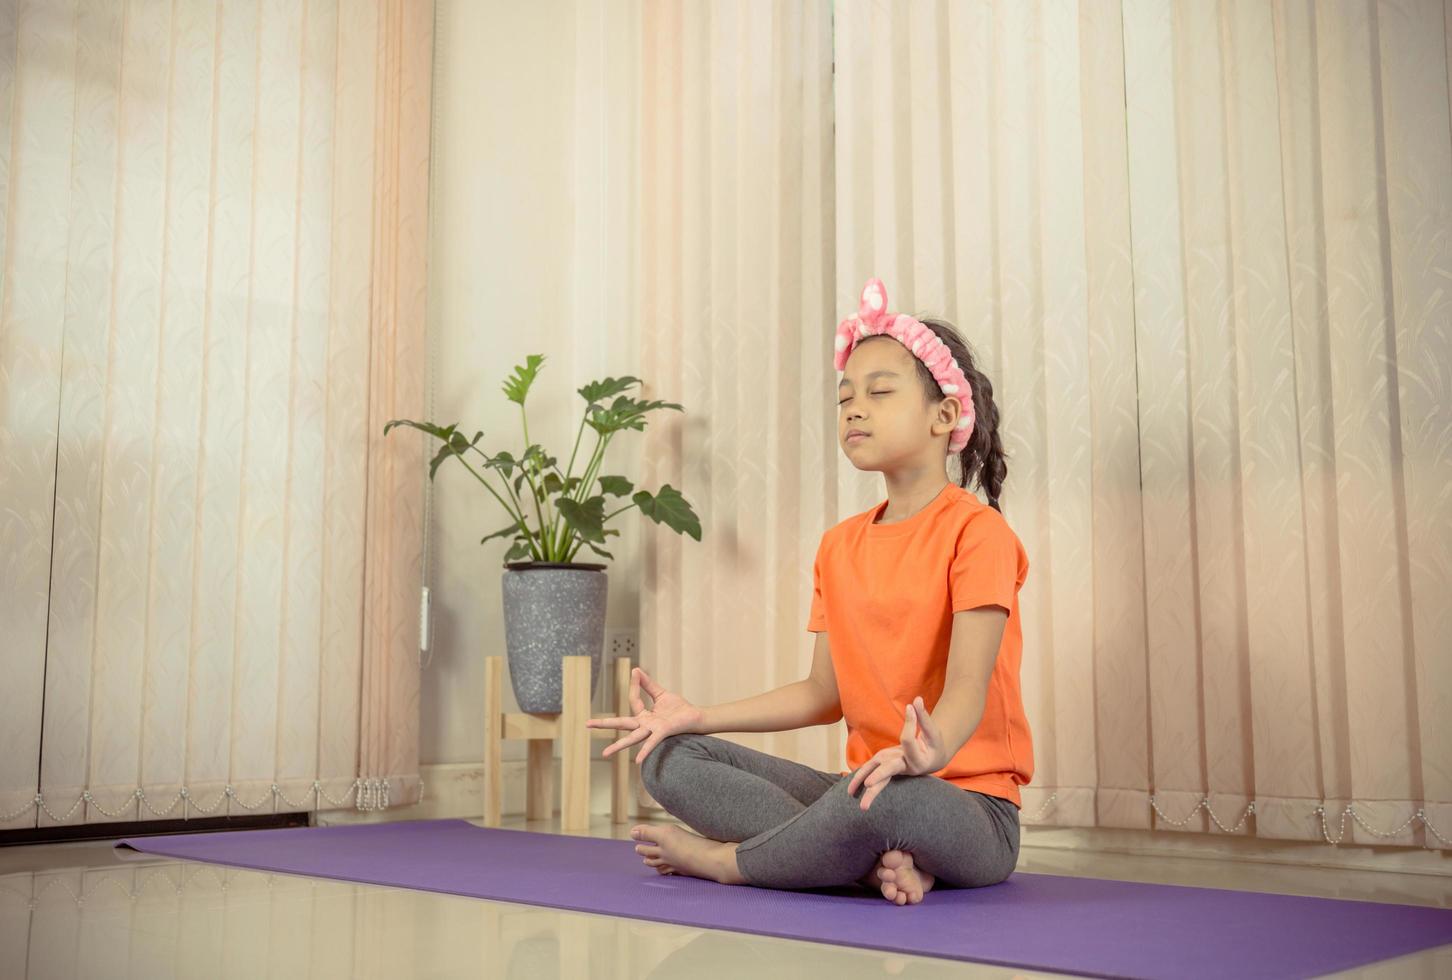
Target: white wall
504,280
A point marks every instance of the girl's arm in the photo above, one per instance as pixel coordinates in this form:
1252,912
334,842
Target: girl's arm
972,652
800,704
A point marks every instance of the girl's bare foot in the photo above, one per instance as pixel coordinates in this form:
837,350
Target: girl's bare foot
901,882
675,850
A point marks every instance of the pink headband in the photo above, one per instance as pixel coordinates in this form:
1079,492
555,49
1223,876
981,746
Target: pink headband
872,317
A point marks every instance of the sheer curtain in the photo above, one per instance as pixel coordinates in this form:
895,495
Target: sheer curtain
1203,251
213,298
735,272
1205,247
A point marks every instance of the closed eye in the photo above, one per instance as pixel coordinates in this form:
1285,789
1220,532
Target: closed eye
849,397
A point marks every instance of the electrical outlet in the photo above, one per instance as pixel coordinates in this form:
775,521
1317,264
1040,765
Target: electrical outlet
622,642
619,642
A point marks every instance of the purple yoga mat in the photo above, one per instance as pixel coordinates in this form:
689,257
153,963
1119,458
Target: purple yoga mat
1088,926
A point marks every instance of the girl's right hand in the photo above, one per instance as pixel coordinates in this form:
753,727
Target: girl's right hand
670,714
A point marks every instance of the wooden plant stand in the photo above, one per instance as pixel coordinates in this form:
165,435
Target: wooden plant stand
541,730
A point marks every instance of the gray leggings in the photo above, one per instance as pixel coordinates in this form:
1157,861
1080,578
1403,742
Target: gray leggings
798,828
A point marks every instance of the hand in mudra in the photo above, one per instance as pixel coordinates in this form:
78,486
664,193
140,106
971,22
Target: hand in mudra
919,752
669,714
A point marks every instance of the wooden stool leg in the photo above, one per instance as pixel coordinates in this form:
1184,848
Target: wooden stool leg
539,803
620,761
575,745
493,782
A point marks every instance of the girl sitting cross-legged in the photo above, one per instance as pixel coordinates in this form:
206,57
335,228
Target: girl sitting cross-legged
915,607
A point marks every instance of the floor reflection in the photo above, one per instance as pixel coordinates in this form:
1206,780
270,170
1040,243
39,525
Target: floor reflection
87,909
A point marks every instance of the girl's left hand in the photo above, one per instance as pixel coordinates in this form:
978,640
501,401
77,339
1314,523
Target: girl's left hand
920,752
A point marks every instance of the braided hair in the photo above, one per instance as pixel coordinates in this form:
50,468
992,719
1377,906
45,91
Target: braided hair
983,456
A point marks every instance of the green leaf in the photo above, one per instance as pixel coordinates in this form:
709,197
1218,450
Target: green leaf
437,431
553,483
454,442
584,519
517,526
520,550
454,446
616,486
502,460
533,460
598,391
624,413
599,551
668,507
445,451
516,387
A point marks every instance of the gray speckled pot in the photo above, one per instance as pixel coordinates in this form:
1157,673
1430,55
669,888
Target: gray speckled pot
551,610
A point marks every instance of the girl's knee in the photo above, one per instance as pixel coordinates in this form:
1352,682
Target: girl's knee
980,871
651,770
884,818
899,803
995,876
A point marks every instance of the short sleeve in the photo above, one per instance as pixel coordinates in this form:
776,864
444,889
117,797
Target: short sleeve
817,618
986,563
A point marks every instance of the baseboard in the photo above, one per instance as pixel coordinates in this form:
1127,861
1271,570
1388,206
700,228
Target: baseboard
456,790
1251,850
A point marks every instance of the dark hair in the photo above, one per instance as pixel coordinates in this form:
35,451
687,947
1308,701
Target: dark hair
984,455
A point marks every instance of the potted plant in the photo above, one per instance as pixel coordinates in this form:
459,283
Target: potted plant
554,606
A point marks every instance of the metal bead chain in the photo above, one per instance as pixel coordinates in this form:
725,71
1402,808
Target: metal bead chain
1250,808
1205,802
371,794
1351,809
1052,797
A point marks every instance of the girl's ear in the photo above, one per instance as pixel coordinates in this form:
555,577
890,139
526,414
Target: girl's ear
950,410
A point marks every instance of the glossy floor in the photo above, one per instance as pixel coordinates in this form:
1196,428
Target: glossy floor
85,910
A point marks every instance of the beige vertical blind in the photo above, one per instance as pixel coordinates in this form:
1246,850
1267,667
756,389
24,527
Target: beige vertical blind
213,297
735,240
1202,250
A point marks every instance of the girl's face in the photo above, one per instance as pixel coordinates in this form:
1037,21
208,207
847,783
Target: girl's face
881,395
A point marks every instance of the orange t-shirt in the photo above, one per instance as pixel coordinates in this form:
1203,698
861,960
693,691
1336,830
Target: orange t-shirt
886,595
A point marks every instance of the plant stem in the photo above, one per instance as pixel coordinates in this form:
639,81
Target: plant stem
545,537
555,524
578,434
517,516
518,505
614,512
596,457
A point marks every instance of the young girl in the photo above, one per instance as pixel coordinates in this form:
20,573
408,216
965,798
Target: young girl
915,607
